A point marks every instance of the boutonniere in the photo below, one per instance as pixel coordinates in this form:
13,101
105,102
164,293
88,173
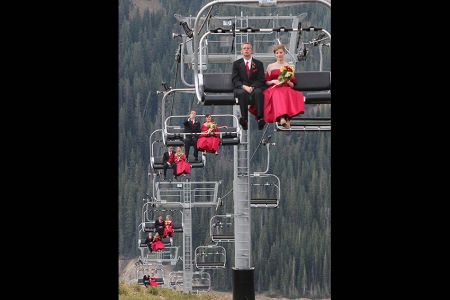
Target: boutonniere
254,69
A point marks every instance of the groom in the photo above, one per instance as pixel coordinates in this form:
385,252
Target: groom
248,82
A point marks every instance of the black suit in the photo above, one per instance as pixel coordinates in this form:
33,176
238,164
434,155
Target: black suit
191,140
160,227
255,80
165,160
146,280
148,242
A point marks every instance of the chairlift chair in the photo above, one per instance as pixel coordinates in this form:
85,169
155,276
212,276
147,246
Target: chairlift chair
156,160
168,255
222,228
201,282
265,190
217,88
210,257
174,134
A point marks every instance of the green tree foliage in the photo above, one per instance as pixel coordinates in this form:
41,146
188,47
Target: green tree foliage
290,244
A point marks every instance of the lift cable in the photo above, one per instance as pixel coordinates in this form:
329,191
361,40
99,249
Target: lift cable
260,141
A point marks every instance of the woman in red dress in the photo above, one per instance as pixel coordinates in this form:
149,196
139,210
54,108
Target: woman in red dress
157,244
281,101
182,167
153,280
168,231
208,140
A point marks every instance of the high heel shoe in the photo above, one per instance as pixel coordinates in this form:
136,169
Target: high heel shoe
283,122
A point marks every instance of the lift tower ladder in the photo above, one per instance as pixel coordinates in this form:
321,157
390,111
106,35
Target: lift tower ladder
241,198
187,238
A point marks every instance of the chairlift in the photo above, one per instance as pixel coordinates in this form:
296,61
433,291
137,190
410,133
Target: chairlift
156,153
164,256
192,193
210,257
176,279
157,270
222,228
264,190
201,282
173,130
217,88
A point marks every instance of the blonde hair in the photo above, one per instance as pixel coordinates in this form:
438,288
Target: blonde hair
278,47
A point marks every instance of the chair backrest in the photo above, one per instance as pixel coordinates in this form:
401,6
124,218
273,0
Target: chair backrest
313,81
218,83
306,81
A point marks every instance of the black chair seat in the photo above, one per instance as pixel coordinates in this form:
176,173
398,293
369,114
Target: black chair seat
174,143
317,98
223,236
219,99
218,87
151,228
158,165
264,201
200,287
310,122
232,141
196,164
210,264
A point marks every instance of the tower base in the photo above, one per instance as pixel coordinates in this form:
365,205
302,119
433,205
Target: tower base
243,284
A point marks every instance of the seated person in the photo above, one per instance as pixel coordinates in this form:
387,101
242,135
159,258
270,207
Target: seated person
159,225
281,101
153,280
146,280
157,244
149,241
191,125
209,140
182,167
168,231
168,161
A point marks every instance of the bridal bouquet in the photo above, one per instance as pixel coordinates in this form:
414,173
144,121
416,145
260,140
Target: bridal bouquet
211,126
286,73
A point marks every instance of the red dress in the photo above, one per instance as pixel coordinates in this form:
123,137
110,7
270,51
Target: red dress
182,165
157,244
281,100
208,142
153,281
168,231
